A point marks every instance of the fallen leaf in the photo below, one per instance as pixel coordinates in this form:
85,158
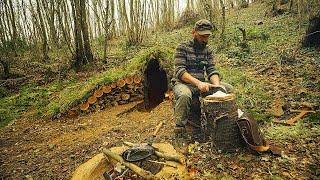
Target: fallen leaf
193,172
277,108
244,158
286,174
220,166
266,159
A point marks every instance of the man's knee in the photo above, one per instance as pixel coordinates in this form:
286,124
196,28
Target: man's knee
228,87
182,92
185,97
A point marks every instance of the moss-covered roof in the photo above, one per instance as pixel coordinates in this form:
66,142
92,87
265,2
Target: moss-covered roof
79,92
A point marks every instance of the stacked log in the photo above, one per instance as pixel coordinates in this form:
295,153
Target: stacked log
122,91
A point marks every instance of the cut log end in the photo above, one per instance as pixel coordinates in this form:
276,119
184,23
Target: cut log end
129,80
113,85
92,99
137,79
121,83
106,89
72,114
84,106
98,93
125,96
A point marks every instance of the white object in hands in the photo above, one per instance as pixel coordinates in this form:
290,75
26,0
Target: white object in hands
218,94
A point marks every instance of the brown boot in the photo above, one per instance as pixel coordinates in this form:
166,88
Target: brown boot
179,131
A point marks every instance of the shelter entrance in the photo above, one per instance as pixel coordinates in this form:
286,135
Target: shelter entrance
155,84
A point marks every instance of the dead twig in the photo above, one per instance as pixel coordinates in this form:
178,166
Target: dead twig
293,120
163,163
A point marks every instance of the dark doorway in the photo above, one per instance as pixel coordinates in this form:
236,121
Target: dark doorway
312,37
155,84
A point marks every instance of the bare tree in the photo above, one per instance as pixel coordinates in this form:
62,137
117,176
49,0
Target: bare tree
223,24
83,54
43,30
14,34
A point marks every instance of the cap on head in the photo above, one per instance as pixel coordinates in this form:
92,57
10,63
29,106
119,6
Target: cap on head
203,27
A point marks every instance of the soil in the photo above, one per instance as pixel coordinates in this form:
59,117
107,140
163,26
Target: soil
54,149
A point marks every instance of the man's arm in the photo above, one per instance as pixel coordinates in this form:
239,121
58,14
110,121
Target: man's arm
213,74
202,86
215,79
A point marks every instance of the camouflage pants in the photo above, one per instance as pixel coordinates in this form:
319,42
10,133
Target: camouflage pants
183,98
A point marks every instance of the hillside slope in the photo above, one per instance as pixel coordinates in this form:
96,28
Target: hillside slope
270,73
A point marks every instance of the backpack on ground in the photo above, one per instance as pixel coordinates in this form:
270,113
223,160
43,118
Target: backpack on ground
252,136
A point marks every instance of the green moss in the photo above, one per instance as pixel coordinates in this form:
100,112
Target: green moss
79,91
282,133
31,98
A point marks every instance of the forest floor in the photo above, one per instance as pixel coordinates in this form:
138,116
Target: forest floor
54,149
272,78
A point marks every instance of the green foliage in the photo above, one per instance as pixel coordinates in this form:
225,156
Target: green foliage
314,117
31,98
249,93
244,4
9,46
3,92
255,33
187,18
284,133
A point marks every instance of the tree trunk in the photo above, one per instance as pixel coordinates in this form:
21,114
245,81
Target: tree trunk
65,34
79,61
2,27
83,53
113,24
85,32
51,16
14,36
223,11
45,47
6,68
36,25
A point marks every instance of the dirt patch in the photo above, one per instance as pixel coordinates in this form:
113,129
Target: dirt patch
53,149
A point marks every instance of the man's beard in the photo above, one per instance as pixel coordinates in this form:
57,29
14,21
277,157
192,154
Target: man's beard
199,45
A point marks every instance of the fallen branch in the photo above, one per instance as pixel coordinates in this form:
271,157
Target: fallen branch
293,120
170,157
141,172
166,156
163,163
15,79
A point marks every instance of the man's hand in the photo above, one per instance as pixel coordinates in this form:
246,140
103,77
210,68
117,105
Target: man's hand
204,87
